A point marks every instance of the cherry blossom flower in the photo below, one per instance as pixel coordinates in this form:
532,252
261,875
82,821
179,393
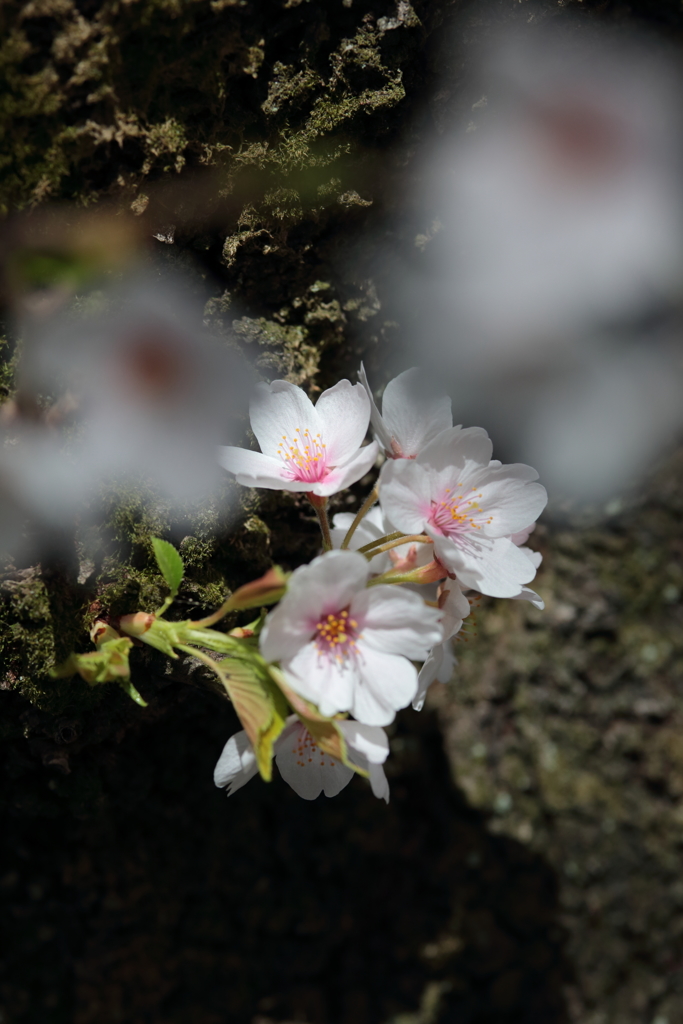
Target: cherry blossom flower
345,647
469,508
316,449
441,660
411,414
303,765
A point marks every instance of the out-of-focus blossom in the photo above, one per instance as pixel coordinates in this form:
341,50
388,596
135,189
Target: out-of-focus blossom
598,430
552,290
151,396
562,210
469,508
441,660
411,413
305,447
345,647
303,765
42,489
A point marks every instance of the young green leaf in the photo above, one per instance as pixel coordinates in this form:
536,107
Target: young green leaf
259,704
170,563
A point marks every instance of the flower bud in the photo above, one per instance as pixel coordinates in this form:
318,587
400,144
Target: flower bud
137,624
101,632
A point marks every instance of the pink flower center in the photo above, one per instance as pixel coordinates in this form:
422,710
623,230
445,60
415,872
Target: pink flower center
337,635
307,751
304,456
457,513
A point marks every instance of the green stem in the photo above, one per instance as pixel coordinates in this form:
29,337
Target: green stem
380,540
212,619
419,538
165,606
360,515
320,506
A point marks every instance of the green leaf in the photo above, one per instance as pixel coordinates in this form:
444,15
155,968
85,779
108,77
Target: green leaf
259,704
170,563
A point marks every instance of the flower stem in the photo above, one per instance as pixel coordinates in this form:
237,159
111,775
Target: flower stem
360,515
380,540
211,620
320,506
419,538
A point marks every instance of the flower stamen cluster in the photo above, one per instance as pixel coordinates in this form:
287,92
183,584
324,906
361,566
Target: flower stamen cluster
336,633
455,513
304,456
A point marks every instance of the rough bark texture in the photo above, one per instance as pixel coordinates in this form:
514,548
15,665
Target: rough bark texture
266,142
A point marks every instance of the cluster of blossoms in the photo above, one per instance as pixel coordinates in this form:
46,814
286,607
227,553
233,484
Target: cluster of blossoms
315,681
389,588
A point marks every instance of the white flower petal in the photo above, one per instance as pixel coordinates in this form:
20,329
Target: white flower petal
522,536
397,621
379,782
412,415
308,770
253,469
237,763
368,740
326,585
381,433
527,594
493,566
344,413
278,410
388,683
438,666
535,557
454,609
461,451
405,494
322,680
372,527
510,502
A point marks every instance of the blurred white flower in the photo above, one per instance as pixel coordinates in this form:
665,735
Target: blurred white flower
469,508
345,647
411,413
563,208
303,765
315,449
152,396
550,298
